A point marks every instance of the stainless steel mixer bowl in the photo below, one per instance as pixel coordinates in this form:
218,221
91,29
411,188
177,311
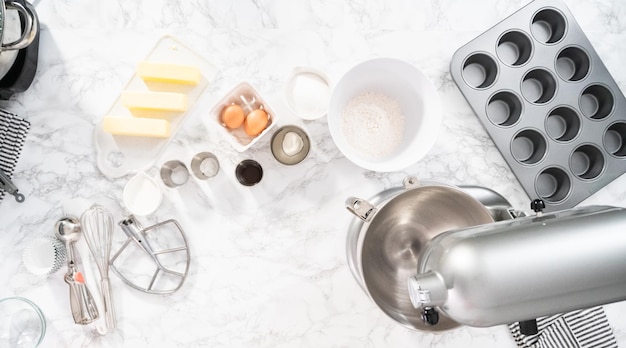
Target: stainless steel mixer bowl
391,243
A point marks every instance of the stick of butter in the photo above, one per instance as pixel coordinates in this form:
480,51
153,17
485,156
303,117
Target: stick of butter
156,101
170,73
136,126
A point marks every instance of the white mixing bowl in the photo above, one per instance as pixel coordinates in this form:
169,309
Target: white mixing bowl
418,100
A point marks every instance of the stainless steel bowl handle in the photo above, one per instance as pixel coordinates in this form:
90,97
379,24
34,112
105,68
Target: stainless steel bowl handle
31,26
361,208
410,182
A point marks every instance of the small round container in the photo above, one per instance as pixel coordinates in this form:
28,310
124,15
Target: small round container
22,323
308,92
44,256
174,173
290,145
204,165
249,172
142,195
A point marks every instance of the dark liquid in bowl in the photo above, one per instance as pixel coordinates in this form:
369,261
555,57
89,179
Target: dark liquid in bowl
249,172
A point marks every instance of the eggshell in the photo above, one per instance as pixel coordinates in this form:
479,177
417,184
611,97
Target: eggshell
255,122
232,116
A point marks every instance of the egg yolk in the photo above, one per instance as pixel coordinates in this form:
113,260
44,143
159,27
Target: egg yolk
255,122
232,116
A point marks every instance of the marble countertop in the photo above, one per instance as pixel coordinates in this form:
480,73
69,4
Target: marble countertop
268,264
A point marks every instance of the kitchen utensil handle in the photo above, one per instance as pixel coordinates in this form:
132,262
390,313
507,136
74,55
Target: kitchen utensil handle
9,187
109,312
31,25
74,300
83,307
360,208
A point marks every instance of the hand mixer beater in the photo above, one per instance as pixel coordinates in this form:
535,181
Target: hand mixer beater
97,224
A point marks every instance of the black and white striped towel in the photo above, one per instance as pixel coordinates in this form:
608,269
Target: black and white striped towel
587,328
13,130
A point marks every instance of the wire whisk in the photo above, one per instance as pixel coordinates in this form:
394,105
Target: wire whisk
97,225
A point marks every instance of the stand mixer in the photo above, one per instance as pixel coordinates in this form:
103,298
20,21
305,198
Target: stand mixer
473,260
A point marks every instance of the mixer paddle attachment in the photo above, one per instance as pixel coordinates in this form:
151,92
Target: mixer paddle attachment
153,259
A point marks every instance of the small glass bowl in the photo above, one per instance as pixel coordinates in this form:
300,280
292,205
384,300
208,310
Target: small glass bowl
22,323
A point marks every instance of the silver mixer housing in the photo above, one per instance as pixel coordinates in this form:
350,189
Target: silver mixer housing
522,269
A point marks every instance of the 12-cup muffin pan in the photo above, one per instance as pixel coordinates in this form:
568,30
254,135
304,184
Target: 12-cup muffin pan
548,102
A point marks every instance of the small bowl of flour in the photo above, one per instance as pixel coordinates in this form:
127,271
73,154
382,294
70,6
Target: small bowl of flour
384,114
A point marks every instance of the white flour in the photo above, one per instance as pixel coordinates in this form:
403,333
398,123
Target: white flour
373,124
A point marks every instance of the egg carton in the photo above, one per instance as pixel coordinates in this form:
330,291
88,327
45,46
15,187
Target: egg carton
548,102
246,96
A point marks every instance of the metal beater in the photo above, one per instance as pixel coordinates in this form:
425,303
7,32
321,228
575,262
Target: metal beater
97,225
138,236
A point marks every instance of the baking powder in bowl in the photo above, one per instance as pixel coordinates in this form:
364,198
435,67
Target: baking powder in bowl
373,124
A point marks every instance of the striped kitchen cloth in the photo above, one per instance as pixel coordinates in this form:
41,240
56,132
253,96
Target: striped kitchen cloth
587,328
13,130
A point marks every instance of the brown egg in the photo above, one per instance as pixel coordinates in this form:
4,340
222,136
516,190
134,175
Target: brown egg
255,122
232,116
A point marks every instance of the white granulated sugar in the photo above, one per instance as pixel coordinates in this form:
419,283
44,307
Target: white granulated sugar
373,124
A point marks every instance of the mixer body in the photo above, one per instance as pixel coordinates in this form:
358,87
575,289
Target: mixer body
521,269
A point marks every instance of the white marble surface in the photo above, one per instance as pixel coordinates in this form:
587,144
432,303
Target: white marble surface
268,263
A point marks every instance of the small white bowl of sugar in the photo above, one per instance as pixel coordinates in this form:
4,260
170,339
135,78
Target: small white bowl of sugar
384,114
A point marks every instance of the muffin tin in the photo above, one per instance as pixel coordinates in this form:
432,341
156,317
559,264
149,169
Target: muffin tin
548,102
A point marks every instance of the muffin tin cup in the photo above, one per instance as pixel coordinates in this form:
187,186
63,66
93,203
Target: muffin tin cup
514,48
480,71
548,102
572,64
529,147
563,124
615,140
504,109
553,185
549,25
597,102
587,162
538,86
